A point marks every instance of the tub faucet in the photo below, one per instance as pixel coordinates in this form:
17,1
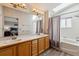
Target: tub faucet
77,38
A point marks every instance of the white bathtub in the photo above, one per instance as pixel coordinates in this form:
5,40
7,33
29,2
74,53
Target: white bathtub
70,41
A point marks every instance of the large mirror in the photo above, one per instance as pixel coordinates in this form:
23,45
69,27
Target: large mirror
10,26
16,23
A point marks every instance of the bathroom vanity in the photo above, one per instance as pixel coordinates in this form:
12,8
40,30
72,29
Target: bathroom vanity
30,45
17,23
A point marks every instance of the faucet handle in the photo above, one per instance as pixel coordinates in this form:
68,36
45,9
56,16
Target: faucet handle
14,37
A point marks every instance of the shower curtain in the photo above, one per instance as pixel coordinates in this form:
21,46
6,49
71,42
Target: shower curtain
50,30
54,31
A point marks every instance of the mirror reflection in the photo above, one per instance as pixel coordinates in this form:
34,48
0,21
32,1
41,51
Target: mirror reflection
10,26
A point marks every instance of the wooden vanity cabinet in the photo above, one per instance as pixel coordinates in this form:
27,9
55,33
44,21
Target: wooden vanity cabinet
46,42
35,47
41,45
8,51
24,49
28,48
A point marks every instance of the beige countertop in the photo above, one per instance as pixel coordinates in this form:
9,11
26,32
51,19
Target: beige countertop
20,39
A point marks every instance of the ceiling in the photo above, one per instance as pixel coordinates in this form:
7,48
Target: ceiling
45,6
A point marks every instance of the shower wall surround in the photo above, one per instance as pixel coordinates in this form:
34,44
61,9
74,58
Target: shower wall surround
73,31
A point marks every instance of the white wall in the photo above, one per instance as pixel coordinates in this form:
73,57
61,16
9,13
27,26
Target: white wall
72,32
25,20
1,21
73,7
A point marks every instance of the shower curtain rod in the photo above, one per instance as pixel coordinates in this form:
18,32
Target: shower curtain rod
66,13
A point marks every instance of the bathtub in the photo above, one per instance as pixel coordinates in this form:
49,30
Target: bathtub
70,41
70,46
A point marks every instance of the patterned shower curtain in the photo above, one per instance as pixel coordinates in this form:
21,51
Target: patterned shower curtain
54,31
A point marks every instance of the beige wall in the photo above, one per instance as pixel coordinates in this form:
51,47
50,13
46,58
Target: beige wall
45,22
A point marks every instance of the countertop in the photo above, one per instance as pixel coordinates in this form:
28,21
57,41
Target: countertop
20,39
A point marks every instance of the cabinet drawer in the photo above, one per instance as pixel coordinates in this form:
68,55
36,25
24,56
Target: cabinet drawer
41,45
34,41
34,53
34,47
46,42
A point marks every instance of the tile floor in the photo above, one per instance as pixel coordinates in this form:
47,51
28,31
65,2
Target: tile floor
53,52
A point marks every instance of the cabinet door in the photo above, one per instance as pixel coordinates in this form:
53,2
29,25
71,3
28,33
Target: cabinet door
34,48
9,51
24,49
46,42
41,45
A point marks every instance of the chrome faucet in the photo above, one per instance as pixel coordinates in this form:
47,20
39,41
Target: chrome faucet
14,36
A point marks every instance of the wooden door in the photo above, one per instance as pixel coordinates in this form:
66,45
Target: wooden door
9,51
41,45
24,49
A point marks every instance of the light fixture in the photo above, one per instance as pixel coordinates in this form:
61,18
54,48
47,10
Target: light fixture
18,5
35,11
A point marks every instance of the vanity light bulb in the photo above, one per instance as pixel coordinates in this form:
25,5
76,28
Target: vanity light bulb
24,4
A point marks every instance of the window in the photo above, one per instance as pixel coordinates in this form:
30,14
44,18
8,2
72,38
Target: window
62,23
68,22
65,23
